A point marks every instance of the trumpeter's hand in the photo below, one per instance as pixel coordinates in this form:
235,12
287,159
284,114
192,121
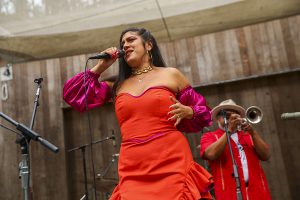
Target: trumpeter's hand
233,122
246,127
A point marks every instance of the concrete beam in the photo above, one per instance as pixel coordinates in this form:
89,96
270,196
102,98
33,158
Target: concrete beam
27,48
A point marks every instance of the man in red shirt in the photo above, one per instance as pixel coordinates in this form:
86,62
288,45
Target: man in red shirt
248,149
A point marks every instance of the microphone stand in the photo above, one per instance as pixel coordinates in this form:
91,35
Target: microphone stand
235,168
27,134
36,101
82,148
24,166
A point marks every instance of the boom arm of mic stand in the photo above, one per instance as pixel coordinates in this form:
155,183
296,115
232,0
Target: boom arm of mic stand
102,140
82,148
30,133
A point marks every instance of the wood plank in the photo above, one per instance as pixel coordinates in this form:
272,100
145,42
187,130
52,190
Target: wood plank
281,49
171,57
289,43
243,51
183,59
63,78
250,32
263,50
200,59
69,67
168,53
211,57
232,53
193,61
164,52
218,45
293,25
77,65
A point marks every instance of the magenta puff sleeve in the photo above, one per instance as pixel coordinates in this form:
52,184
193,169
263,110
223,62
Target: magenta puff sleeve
97,92
202,113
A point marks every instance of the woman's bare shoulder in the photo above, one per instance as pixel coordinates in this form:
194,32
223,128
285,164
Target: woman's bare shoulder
174,74
173,71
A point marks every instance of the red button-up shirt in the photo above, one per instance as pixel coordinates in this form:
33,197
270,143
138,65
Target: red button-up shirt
222,169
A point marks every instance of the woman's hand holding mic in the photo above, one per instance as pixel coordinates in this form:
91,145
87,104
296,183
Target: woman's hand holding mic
103,64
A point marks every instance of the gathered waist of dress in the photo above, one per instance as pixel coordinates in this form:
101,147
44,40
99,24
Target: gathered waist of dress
145,128
141,140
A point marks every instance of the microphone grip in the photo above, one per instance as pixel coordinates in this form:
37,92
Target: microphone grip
101,56
117,54
48,145
293,115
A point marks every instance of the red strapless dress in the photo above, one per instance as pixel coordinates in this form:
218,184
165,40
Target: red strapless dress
155,160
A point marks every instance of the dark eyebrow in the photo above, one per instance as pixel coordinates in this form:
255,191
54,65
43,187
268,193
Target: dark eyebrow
128,38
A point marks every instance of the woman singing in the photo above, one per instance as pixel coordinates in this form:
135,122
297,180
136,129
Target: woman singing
153,104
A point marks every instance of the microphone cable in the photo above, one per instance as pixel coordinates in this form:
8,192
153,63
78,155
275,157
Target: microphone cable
89,129
117,54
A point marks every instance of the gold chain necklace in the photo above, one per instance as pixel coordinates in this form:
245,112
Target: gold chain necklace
141,71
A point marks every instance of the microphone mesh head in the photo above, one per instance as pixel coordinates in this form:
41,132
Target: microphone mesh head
121,53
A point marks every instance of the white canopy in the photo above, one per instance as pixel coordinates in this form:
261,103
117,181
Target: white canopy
38,29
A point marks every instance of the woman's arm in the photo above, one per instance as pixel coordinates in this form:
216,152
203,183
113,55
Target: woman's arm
191,110
96,93
84,91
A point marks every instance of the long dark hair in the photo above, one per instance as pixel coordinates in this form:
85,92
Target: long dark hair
124,68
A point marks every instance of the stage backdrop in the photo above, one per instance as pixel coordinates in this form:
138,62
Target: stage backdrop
254,65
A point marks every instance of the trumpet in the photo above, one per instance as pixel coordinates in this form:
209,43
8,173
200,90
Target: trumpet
254,115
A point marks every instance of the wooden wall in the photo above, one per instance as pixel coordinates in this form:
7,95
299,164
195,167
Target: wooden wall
48,169
274,95
207,60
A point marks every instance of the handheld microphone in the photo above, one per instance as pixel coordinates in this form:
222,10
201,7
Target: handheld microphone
117,54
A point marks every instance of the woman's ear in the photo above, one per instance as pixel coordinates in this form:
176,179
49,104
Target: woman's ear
149,46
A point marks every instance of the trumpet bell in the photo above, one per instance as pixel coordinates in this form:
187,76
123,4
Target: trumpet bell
254,114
